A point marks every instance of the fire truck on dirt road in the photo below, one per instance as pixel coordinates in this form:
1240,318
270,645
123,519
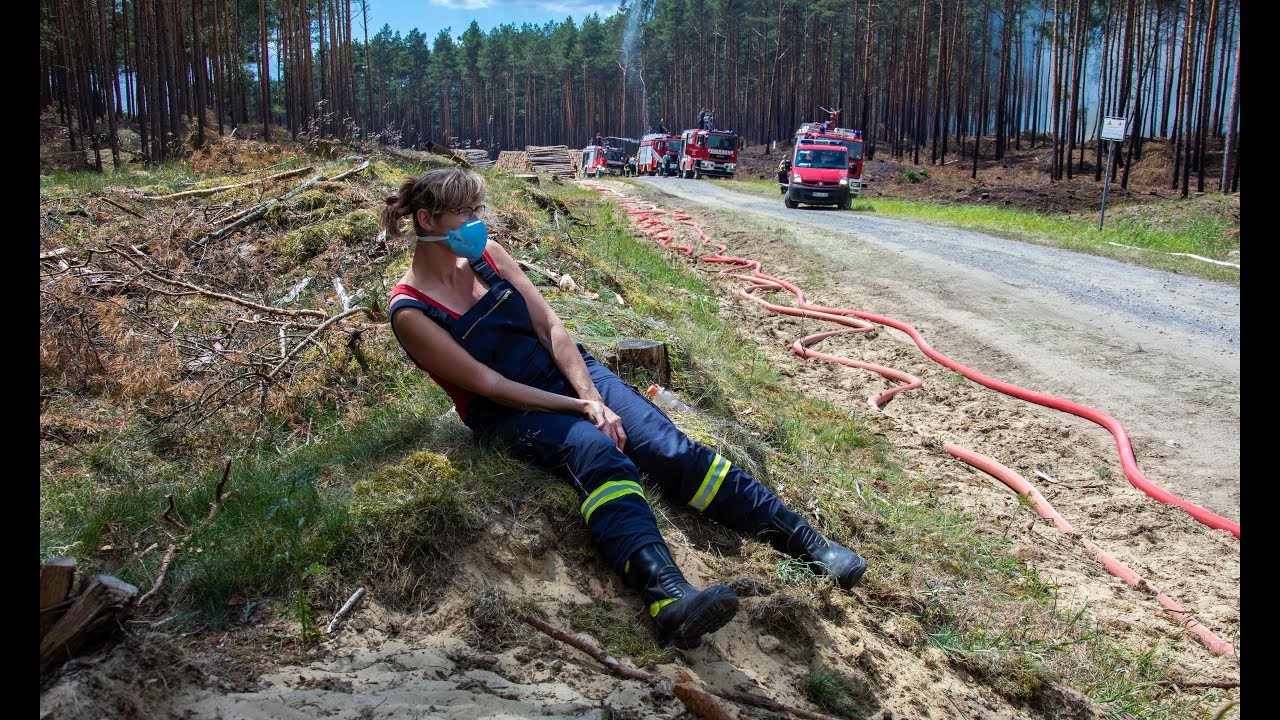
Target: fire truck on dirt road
708,152
818,174
659,154
603,158
827,132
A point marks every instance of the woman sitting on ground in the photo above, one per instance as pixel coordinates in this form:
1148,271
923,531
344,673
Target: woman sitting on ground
466,314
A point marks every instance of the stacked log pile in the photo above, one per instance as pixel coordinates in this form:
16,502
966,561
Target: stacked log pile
71,623
475,156
553,159
516,161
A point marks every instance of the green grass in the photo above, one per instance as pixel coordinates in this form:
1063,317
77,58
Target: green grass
620,633
1197,227
829,691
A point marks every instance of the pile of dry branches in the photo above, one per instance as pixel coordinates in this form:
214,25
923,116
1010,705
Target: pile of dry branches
169,301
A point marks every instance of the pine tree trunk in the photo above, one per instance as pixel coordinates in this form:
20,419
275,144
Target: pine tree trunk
1229,150
1206,92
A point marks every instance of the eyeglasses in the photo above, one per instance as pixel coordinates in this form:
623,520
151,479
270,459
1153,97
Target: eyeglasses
464,210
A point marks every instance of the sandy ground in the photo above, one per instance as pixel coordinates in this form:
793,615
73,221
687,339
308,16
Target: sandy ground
1157,352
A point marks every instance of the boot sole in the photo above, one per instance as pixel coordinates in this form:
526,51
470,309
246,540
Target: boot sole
716,607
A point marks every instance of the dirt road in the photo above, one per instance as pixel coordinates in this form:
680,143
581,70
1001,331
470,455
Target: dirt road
1157,351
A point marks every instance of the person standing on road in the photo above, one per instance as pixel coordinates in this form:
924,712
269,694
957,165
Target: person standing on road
467,315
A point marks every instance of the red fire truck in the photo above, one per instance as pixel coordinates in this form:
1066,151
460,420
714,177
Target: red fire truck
829,132
818,175
659,154
606,159
708,152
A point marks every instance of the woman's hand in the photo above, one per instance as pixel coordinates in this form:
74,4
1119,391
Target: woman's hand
606,420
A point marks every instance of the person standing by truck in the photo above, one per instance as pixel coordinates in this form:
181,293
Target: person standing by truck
466,314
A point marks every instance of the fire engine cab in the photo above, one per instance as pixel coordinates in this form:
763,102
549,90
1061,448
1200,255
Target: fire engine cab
659,154
818,175
828,132
708,152
604,159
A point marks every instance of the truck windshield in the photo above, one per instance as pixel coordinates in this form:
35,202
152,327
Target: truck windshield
613,156
829,159
855,149
673,146
722,142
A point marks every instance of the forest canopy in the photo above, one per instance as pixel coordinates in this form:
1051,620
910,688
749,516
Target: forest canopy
913,75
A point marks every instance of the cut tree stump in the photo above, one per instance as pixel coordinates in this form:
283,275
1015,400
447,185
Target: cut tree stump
56,577
90,617
648,356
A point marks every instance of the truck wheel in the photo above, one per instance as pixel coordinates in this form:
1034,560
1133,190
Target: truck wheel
791,204
848,203
697,174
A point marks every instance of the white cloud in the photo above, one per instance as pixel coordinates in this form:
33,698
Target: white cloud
578,10
462,4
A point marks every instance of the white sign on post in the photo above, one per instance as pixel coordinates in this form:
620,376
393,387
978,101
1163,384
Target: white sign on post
1112,128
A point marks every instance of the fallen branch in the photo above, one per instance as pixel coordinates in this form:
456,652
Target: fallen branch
210,191
1224,684
258,212
761,701
616,667
218,501
168,515
109,201
626,671
352,171
697,701
169,555
316,332
346,608
221,296
555,276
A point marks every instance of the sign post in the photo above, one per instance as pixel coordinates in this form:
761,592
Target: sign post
1112,130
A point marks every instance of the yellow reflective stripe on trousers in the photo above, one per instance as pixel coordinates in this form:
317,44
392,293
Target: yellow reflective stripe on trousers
711,483
656,608
609,491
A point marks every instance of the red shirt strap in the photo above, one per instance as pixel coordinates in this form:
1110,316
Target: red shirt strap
416,294
489,259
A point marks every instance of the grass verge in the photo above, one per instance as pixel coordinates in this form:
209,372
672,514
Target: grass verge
1199,226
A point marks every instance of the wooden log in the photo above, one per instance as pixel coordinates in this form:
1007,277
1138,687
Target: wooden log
649,357
86,620
56,577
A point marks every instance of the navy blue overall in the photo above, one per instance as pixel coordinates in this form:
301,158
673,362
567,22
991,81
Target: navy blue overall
498,332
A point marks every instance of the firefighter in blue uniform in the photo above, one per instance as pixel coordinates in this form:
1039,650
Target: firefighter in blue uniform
467,315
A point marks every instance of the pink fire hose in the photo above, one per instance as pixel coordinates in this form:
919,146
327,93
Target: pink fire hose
644,220
1018,484
856,321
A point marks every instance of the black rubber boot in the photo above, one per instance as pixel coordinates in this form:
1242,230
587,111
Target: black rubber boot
681,613
792,534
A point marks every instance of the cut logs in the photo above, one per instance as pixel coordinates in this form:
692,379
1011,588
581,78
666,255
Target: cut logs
80,621
56,577
475,156
553,159
645,360
516,161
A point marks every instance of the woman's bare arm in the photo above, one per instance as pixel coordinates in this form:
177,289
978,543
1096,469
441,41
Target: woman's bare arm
435,350
555,338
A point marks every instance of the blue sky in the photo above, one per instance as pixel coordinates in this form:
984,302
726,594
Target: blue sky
431,16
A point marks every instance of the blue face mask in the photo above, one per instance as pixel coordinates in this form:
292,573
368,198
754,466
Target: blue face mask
468,240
